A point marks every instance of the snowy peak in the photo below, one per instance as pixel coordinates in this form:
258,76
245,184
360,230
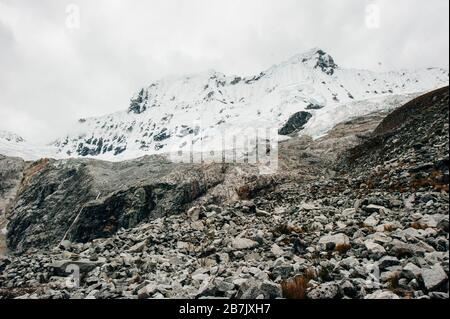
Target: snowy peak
10,137
307,94
317,59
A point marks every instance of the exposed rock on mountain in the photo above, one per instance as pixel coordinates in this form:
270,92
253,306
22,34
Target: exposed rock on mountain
296,123
81,200
10,176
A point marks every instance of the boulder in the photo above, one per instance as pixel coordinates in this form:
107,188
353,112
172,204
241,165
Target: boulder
324,291
374,247
244,243
330,242
382,294
434,278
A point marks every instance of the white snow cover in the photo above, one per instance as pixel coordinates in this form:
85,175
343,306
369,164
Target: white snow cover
208,110
15,146
10,137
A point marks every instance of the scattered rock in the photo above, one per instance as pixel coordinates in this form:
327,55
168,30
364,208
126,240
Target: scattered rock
435,278
324,291
244,243
382,294
330,242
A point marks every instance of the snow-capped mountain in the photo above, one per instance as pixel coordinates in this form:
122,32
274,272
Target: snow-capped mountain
173,113
308,94
14,145
6,136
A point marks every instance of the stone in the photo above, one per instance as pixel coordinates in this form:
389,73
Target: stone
443,224
388,261
348,289
349,213
146,200
309,207
147,291
374,247
138,248
334,240
324,291
198,225
194,213
402,249
439,295
388,276
382,294
349,263
270,290
316,226
434,278
380,238
248,206
66,244
249,290
433,221
276,250
283,271
321,219
181,245
411,271
200,277
224,286
371,221
244,243
375,209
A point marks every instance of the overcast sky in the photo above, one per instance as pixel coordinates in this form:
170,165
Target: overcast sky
56,68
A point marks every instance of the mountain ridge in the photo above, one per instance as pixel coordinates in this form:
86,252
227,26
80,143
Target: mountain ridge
201,111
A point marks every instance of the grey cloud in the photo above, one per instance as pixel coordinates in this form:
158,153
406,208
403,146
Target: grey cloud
51,75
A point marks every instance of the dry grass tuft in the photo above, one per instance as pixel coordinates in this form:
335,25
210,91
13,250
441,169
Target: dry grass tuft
286,229
393,281
296,287
434,180
343,248
244,192
418,226
390,228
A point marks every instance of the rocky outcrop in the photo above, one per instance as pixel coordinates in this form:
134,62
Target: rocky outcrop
82,200
11,170
296,123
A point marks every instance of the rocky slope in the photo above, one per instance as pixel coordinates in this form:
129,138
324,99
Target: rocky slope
359,213
81,200
10,176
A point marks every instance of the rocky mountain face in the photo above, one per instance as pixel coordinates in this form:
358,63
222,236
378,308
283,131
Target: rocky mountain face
82,200
359,213
307,94
11,170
